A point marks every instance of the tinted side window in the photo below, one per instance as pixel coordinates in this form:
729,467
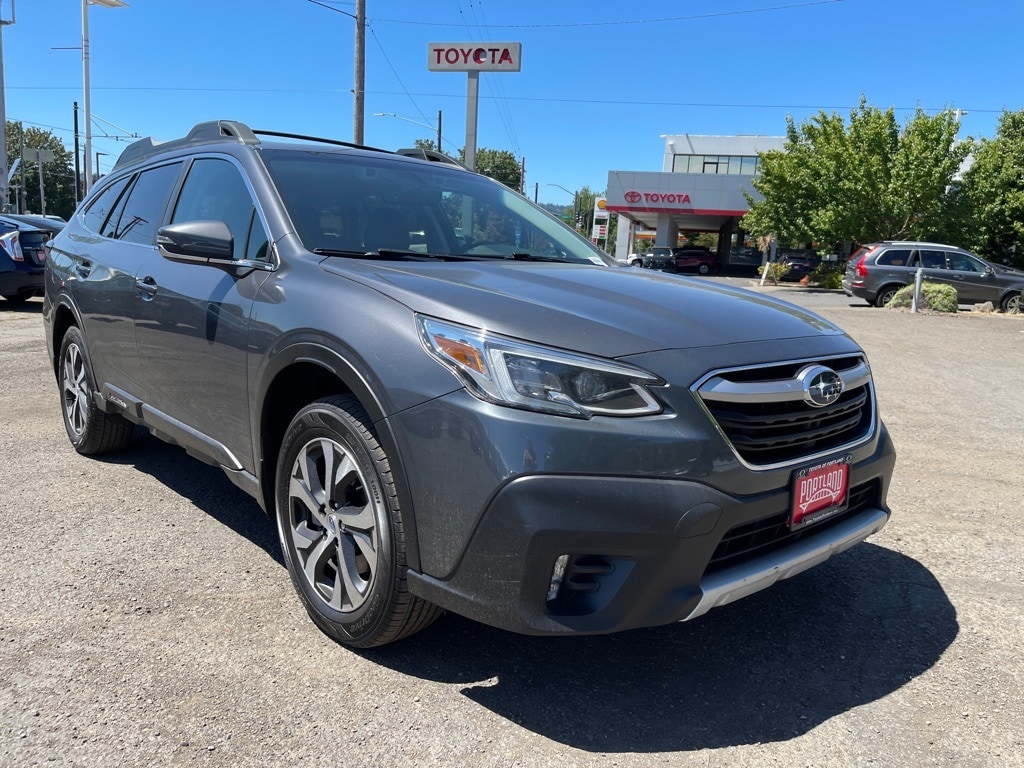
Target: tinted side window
214,190
933,259
101,207
895,257
145,206
964,263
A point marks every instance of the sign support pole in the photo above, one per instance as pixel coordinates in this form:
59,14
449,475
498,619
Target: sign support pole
472,105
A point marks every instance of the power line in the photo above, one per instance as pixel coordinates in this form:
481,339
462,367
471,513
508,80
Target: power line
398,77
546,99
664,20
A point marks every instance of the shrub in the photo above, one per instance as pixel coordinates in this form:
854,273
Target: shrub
936,297
828,274
775,269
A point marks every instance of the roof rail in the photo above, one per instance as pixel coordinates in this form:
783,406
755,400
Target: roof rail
202,133
318,139
431,155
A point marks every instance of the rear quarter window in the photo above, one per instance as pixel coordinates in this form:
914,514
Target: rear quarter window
896,257
96,215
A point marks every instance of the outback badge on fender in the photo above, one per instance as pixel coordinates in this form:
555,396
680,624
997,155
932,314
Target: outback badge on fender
822,386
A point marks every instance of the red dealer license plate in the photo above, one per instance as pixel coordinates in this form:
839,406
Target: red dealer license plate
819,492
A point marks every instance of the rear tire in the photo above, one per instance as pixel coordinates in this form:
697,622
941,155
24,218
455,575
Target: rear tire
884,296
90,430
704,269
341,528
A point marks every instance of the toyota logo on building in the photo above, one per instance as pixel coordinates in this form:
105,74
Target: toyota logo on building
822,386
632,196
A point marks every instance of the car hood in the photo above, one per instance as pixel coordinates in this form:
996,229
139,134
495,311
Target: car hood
607,311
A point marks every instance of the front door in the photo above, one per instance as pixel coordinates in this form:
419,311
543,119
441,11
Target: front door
192,332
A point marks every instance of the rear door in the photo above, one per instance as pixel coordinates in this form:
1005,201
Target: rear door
122,223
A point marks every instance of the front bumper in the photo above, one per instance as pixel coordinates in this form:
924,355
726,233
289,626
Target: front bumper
643,552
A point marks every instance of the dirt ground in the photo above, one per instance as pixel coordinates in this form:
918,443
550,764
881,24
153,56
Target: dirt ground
145,616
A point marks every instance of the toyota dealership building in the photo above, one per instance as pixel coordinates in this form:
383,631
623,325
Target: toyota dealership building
701,188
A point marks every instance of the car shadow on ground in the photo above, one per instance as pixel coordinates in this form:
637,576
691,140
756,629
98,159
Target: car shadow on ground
205,486
767,668
30,307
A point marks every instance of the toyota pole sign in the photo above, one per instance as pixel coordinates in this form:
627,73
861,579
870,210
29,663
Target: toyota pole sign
474,57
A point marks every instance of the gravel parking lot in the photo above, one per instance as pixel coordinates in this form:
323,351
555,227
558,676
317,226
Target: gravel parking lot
146,617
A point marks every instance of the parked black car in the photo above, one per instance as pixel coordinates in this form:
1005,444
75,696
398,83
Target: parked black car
447,398
687,258
23,254
800,263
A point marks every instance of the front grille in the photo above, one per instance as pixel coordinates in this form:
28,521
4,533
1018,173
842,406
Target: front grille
763,414
747,542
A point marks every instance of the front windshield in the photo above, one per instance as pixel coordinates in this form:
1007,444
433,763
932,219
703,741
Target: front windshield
354,204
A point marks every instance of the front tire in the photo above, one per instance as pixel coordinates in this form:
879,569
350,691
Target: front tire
1013,304
90,430
341,529
704,269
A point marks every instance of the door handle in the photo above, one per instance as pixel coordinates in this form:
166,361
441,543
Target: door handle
83,268
147,286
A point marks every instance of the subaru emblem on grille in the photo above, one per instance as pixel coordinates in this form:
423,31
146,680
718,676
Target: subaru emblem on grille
822,386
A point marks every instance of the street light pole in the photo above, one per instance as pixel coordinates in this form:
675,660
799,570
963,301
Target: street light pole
86,104
4,190
575,203
416,122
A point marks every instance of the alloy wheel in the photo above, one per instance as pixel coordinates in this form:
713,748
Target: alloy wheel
334,524
76,390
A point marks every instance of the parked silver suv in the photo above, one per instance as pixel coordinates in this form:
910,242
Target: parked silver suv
877,271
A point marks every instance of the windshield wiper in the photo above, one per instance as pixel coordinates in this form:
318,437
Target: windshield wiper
526,256
394,254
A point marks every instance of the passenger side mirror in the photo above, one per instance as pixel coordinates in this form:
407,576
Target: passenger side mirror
196,242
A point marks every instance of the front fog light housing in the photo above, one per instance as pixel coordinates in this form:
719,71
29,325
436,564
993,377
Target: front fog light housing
510,372
557,574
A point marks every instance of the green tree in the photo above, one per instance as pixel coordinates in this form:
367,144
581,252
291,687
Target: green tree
867,180
993,193
58,176
499,164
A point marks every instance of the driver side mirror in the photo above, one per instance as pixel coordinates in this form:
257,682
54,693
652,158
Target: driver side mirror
196,242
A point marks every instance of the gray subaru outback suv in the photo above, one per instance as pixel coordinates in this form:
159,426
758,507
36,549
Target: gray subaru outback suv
446,398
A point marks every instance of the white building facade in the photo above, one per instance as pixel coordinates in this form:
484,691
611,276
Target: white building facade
702,187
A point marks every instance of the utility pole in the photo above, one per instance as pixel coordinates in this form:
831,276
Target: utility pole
439,131
359,91
522,176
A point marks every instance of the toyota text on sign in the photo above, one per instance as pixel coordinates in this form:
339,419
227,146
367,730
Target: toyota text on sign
483,57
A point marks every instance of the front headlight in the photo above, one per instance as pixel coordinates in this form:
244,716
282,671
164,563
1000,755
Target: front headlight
509,372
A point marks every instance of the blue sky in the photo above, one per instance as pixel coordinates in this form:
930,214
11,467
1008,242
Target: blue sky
599,82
